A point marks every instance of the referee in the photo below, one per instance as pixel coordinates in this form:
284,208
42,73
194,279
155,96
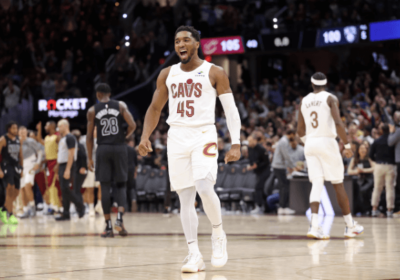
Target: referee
67,155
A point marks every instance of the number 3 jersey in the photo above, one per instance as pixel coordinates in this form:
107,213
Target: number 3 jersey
108,121
317,115
191,96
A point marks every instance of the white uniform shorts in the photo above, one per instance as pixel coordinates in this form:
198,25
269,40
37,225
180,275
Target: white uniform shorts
192,155
90,181
324,159
28,175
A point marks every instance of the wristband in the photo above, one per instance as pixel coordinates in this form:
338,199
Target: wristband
347,146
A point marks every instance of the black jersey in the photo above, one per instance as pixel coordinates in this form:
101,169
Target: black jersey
10,153
108,121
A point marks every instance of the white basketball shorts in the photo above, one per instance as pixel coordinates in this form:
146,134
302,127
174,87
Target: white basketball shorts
324,159
192,155
28,175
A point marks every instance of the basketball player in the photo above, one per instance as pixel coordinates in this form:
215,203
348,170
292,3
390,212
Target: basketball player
111,156
11,170
32,153
192,87
318,126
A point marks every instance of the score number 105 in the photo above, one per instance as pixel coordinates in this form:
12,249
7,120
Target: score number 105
230,45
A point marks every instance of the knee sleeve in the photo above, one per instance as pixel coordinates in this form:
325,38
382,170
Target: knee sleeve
105,197
316,190
121,195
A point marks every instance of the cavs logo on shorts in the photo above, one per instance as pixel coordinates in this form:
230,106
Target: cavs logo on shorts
207,147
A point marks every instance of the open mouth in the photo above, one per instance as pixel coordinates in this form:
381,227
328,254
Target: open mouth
183,54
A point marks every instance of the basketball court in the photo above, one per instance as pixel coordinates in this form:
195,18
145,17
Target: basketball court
259,247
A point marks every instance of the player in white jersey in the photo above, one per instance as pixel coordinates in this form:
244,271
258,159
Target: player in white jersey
319,124
192,87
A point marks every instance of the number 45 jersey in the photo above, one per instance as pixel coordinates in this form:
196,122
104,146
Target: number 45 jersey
317,115
109,121
191,96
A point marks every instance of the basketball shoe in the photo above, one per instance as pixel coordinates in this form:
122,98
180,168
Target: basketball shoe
119,226
194,263
219,255
353,231
317,233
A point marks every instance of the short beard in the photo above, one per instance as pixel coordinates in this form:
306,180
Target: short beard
186,61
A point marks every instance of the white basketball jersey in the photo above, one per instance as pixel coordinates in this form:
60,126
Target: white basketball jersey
191,96
317,115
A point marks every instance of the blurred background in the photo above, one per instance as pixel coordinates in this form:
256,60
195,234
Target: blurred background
58,50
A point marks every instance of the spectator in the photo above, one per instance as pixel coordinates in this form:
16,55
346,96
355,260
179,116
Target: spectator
259,162
264,89
48,88
281,163
221,150
384,171
11,95
362,167
394,140
296,152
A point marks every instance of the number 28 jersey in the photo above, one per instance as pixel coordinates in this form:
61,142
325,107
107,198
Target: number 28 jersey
191,97
108,121
317,115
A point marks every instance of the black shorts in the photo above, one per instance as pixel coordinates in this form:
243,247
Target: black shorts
12,175
112,163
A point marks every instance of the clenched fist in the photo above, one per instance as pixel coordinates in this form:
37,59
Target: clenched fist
145,147
233,154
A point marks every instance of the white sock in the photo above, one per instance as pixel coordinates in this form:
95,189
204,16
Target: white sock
193,246
348,219
217,231
26,208
314,220
91,206
31,203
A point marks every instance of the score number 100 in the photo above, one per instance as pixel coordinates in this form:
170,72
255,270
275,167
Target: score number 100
230,45
332,36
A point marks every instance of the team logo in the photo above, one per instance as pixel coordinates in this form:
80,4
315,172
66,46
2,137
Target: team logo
207,147
210,47
189,85
186,89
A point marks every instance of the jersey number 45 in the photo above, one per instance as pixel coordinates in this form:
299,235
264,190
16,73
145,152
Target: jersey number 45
189,108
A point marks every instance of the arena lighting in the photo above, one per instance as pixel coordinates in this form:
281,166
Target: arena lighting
275,26
275,20
208,58
127,37
124,15
167,53
127,44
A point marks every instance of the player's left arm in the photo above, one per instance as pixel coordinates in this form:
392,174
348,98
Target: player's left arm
301,126
89,137
221,83
128,118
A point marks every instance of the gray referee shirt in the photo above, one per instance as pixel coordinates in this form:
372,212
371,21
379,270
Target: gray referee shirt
66,143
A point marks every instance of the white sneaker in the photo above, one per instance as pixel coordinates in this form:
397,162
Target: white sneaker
289,211
219,255
317,233
99,208
353,231
72,209
281,211
92,213
256,211
194,263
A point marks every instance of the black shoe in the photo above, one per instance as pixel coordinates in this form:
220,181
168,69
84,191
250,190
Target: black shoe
119,226
62,218
107,233
81,211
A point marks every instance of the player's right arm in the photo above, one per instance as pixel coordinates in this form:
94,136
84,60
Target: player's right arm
333,103
152,117
301,126
39,133
3,143
89,136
